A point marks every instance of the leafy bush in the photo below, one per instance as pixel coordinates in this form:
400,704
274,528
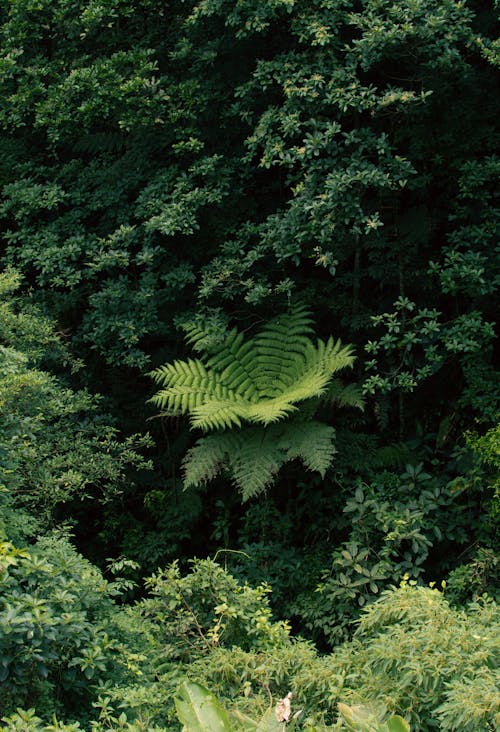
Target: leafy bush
416,654
412,655
393,523
56,628
207,609
56,446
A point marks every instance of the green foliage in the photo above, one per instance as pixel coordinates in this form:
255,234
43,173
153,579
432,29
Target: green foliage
479,572
478,576
254,456
415,652
199,711
412,654
362,720
406,334
161,163
213,162
28,721
55,446
55,623
395,523
273,147
260,381
206,609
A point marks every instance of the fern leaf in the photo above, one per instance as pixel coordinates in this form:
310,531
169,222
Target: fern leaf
311,384
280,350
312,442
188,385
334,356
180,372
255,464
271,410
343,395
218,414
188,397
195,335
253,456
205,460
260,380
235,364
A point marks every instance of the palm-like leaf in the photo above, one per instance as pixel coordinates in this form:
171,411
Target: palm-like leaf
259,380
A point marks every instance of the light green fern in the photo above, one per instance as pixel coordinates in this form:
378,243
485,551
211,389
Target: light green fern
261,382
253,456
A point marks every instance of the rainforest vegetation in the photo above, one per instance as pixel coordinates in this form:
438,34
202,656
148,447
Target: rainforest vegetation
249,441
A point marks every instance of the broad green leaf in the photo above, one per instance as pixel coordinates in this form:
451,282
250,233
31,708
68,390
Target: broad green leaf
199,711
397,724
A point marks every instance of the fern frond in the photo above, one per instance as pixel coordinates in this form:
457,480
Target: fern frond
195,335
219,413
189,385
345,395
271,410
255,464
280,350
180,372
334,356
237,368
312,442
311,384
253,456
260,380
206,459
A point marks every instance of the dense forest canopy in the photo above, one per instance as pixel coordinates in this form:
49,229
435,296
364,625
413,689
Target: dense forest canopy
249,290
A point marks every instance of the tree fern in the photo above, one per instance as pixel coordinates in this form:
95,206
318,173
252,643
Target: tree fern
258,381
250,392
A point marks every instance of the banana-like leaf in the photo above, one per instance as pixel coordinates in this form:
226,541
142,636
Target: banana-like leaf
199,711
397,724
269,723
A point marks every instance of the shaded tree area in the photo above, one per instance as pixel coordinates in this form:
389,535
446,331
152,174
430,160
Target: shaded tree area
217,195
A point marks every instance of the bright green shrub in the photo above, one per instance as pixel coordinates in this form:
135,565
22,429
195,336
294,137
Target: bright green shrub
56,628
416,654
413,655
207,609
28,721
